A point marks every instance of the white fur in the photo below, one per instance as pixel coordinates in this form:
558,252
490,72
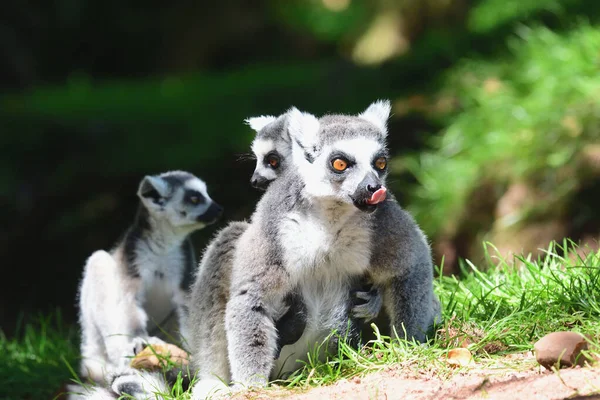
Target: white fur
159,297
151,385
322,252
88,392
109,311
378,114
199,185
179,225
260,147
317,175
257,123
209,388
160,185
120,312
303,127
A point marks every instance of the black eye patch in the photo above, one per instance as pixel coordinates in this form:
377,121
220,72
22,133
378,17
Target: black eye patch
272,160
338,156
380,162
193,197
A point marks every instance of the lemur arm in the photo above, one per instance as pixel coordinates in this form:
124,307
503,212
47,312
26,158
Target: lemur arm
251,334
411,303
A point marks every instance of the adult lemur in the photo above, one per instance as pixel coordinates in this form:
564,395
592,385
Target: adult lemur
138,290
272,149
321,226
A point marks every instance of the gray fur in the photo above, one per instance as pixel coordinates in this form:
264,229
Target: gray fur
272,137
138,289
271,140
209,295
313,233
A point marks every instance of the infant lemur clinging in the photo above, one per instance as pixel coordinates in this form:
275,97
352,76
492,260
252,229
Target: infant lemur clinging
321,226
137,292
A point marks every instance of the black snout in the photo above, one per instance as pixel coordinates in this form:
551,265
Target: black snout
212,214
373,188
259,182
369,185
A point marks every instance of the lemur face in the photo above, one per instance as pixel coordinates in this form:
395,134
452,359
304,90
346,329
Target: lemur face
270,159
343,157
354,171
271,147
351,171
180,199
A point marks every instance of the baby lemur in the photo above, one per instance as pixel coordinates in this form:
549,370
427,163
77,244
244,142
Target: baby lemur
137,292
322,225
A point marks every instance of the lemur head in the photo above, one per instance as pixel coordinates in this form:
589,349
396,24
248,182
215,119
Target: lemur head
271,147
180,199
343,157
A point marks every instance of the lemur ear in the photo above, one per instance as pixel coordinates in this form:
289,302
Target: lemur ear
303,128
377,114
153,188
257,123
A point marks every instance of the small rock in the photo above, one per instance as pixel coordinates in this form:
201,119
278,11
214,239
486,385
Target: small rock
356,380
459,357
560,347
157,356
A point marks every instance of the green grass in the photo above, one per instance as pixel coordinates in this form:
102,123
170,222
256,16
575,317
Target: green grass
500,309
503,310
35,363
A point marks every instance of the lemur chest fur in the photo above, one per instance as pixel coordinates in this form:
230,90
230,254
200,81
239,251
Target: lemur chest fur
161,276
321,257
318,250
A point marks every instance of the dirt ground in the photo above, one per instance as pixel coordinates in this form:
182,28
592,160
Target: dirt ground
520,377
529,382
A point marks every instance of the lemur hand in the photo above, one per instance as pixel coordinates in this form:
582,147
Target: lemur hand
367,303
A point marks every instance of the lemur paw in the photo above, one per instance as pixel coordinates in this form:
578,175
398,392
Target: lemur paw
140,343
210,389
370,308
137,384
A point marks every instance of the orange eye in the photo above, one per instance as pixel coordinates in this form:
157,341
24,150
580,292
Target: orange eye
339,164
381,163
273,161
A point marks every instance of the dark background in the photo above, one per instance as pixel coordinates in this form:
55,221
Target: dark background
96,94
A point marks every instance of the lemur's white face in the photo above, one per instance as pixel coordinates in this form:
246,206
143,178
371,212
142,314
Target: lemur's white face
271,148
352,171
271,159
343,158
180,200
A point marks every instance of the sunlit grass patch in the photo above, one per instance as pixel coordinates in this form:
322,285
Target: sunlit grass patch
495,311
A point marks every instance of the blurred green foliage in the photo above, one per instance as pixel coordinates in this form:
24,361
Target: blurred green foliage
97,94
525,116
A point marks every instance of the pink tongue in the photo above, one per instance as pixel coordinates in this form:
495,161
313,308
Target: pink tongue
378,196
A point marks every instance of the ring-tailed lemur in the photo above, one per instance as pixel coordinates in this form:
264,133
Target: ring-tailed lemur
138,290
315,232
272,149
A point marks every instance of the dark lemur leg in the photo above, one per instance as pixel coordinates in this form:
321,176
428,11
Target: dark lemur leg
367,302
291,325
411,303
